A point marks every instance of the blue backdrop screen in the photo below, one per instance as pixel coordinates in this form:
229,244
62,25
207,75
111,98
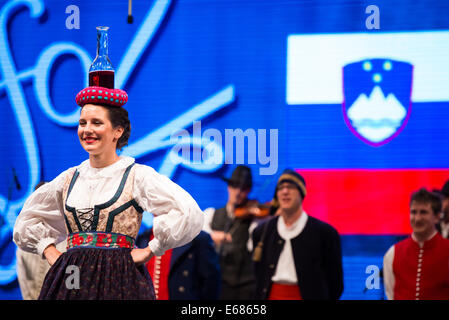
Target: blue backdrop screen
343,94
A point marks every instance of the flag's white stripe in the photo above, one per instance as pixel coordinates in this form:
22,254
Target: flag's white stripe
315,62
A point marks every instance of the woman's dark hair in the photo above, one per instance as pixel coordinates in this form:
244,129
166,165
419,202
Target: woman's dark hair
119,118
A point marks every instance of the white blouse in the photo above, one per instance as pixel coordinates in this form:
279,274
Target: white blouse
177,217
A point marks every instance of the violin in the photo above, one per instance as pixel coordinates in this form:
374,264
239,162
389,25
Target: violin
254,209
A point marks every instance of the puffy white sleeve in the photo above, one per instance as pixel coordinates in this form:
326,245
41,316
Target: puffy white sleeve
177,217
41,221
388,273
208,217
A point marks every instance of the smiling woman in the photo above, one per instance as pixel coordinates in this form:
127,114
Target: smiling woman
114,191
98,136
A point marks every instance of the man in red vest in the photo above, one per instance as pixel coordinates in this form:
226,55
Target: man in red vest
417,268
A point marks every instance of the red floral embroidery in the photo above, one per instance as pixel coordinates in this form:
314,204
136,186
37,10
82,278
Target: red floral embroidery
123,242
100,240
77,240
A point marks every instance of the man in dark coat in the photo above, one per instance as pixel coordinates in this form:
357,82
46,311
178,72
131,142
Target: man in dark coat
300,256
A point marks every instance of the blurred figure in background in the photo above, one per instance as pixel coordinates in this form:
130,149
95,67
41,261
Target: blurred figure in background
443,225
189,272
231,236
417,268
32,268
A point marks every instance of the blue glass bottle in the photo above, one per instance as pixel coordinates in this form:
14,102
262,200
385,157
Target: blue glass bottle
101,72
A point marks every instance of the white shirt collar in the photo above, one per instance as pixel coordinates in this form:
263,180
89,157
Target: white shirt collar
294,230
89,172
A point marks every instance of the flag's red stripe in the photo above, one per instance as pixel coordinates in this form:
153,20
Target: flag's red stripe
367,201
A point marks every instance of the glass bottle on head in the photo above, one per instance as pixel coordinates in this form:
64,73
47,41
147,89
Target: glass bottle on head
101,72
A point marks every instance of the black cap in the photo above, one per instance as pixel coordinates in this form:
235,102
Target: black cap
289,175
241,178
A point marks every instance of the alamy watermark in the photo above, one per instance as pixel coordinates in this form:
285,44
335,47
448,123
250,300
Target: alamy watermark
73,280
73,20
236,146
373,280
373,20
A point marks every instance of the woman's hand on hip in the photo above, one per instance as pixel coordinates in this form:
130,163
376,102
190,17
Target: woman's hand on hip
51,254
141,256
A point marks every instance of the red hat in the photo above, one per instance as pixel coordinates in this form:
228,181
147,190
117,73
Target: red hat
101,95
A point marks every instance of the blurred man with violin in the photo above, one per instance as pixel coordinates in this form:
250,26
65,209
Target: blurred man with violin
230,229
297,257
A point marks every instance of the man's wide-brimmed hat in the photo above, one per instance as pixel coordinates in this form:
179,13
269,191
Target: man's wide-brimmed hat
241,178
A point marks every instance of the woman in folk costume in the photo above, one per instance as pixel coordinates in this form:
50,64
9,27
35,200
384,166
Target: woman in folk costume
98,206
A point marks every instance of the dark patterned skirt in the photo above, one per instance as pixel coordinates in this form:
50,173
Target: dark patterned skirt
97,274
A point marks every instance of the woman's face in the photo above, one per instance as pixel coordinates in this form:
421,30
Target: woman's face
95,131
